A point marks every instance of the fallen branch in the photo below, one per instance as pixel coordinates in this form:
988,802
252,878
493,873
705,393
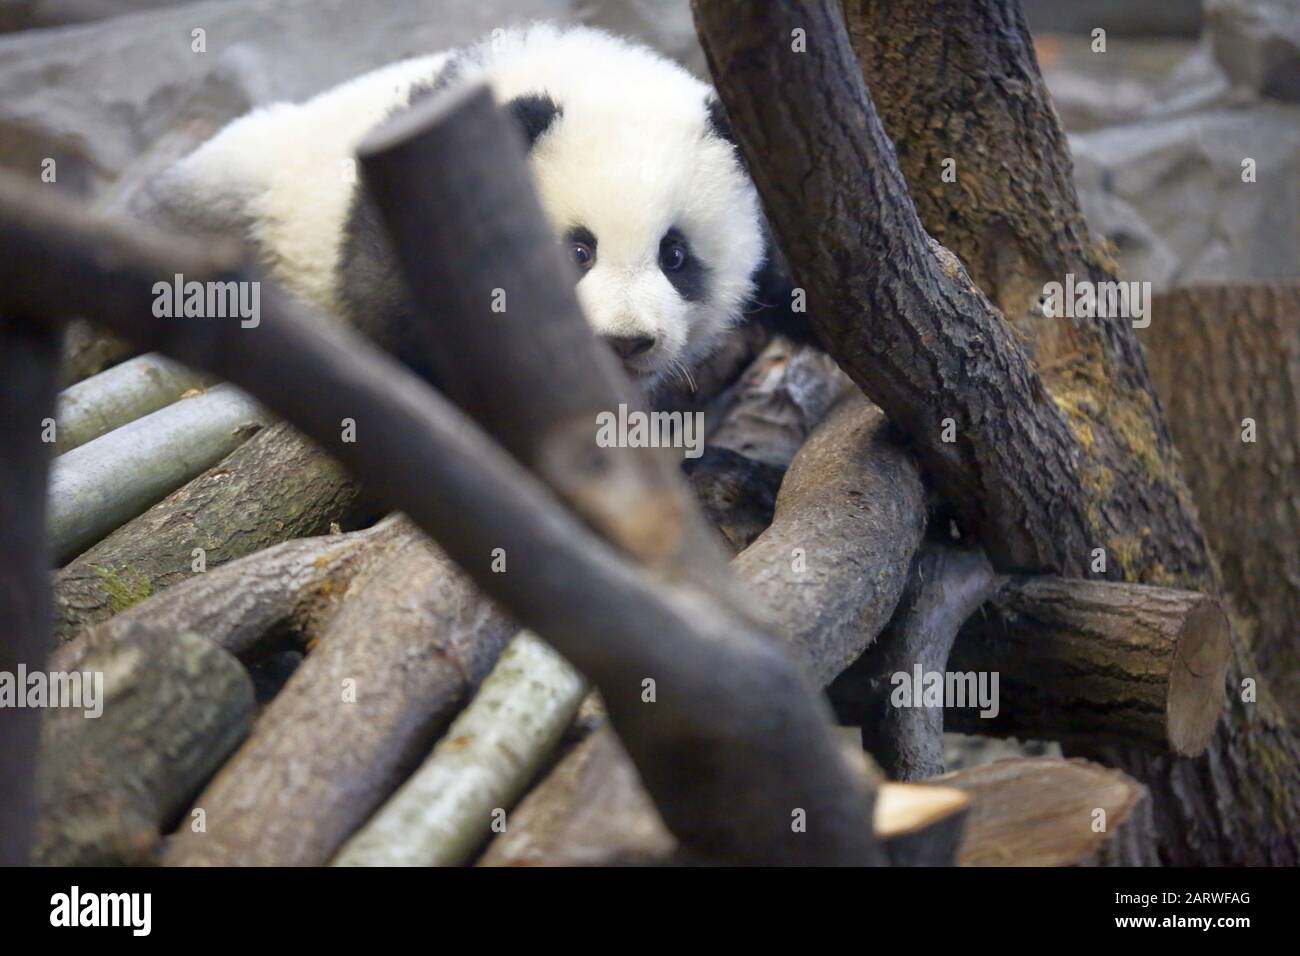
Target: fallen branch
275,487
945,587
174,706
1046,811
493,750
386,674
122,394
102,485
766,417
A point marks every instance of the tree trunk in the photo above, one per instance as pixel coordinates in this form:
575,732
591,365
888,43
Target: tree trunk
1226,362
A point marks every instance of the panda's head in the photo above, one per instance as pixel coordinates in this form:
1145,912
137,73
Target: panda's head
646,190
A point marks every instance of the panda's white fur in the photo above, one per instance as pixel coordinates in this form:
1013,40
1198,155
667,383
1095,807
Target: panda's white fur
630,155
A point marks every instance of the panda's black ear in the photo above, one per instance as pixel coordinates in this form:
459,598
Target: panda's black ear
534,112
719,125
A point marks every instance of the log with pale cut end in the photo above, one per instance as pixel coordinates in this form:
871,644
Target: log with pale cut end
174,706
408,643
274,487
591,810
102,485
1097,661
921,824
123,393
492,751
1046,811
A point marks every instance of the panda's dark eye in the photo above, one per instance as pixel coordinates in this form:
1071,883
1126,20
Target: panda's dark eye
672,256
582,247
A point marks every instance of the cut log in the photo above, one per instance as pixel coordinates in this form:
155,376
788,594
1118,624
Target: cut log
460,794
1096,661
102,485
122,394
174,706
275,487
409,642
591,810
1045,811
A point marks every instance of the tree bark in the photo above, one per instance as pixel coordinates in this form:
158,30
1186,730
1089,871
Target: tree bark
1220,356
1092,661
29,371
120,395
447,809
174,706
945,586
765,420
1107,480
101,486
275,487
409,642
936,356
848,519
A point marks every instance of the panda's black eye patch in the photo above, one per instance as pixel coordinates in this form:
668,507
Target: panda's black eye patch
688,275
581,246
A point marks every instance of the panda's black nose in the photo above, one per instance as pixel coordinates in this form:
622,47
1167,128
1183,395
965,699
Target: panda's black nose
629,346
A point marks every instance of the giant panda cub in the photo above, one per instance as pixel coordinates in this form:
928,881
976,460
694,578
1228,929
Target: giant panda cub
629,152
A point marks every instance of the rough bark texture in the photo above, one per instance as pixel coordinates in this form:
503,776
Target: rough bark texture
1051,812
1093,661
175,705
281,596
275,487
1038,490
945,586
848,519
764,420
1112,481
410,641
29,371
1220,355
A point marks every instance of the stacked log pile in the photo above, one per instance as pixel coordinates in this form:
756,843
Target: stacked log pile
560,653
